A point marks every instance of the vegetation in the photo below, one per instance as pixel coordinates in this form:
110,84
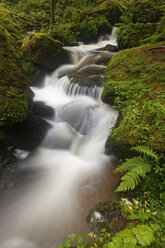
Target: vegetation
142,22
15,96
134,85
71,22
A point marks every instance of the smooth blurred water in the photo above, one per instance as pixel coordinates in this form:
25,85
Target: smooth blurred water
57,183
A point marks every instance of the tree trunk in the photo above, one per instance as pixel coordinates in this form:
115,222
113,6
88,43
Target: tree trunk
52,12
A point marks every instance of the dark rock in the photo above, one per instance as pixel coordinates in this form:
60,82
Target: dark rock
78,114
109,48
104,58
88,76
28,134
60,136
107,215
42,110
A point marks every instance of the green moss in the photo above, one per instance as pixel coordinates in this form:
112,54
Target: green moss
41,50
13,106
135,81
15,96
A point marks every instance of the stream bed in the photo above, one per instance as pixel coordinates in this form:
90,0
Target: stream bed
56,185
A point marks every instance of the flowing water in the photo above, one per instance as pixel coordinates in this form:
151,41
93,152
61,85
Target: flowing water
58,183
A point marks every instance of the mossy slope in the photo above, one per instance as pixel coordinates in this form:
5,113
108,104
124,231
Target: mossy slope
14,93
135,79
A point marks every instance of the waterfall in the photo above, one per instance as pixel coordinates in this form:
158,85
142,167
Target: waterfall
57,183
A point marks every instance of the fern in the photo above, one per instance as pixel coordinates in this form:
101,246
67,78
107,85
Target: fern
147,152
129,164
135,168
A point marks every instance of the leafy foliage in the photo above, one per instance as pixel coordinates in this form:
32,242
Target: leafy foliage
137,167
146,152
139,236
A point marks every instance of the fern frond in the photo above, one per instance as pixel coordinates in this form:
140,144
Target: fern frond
135,171
129,182
129,164
147,152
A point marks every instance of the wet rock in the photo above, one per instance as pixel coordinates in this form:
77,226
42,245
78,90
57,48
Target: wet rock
28,134
60,136
42,110
104,58
107,215
78,114
88,76
109,48
7,164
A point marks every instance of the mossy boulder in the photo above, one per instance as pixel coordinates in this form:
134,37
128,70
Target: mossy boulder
135,86
42,53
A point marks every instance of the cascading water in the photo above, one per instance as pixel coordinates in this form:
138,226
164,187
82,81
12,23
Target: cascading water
56,184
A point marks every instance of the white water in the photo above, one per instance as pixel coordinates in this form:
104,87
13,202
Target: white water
57,182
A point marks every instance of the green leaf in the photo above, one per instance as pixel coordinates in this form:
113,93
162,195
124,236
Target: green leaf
144,235
135,168
146,151
110,245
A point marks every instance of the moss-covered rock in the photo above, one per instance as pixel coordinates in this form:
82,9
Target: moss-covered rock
43,52
135,84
